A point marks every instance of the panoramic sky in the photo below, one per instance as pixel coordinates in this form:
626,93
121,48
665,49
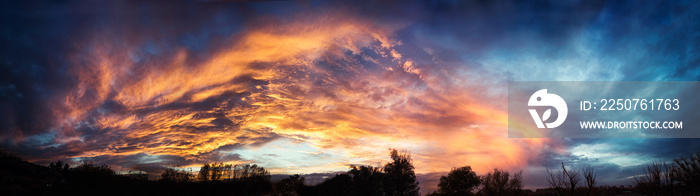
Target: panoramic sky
316,86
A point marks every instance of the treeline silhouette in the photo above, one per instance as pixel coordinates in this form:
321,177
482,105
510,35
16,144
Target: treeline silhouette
18,177
680,177
397,177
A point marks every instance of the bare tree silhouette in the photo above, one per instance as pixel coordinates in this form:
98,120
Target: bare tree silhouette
688,171
590,173
563,180
658,179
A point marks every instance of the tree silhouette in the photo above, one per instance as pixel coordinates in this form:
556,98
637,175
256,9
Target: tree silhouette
289,186
460,181
366,180
90,171
501,182
204,173
658,178
18,177
688,171
218,171
563,180
400,177
394,178
59,166
250,172
589,174
173,175
221,171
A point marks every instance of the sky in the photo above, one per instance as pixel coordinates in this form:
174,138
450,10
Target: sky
316,86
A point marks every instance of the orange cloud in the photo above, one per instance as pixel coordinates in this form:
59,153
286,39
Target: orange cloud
336,83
